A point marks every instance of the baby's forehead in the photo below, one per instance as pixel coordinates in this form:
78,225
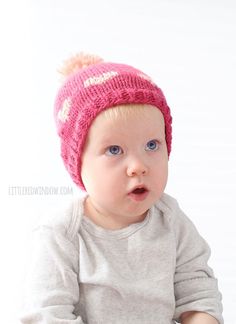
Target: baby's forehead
140,120
131,112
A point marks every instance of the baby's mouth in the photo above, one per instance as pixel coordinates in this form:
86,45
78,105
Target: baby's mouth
139,191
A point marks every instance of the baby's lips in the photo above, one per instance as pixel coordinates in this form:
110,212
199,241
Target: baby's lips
139,189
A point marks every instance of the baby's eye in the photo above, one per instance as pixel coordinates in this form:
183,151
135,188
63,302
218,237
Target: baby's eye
152,145
114,150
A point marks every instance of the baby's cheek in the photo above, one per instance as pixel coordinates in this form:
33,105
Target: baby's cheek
161,179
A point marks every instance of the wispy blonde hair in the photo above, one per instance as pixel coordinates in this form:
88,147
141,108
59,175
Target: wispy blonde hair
125,111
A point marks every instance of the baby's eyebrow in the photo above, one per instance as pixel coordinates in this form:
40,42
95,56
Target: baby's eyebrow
158,136
109,140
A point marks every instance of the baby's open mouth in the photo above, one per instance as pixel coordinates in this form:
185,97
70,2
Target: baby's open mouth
139,191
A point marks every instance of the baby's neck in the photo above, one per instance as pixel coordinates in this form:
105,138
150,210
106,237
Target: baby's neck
107,221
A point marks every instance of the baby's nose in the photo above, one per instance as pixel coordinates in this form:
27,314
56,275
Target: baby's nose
137,168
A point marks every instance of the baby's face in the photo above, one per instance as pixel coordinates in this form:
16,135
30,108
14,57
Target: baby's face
125,164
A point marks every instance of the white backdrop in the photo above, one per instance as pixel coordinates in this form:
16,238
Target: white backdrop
187,46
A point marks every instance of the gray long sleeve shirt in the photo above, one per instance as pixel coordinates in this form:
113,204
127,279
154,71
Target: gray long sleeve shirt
149,272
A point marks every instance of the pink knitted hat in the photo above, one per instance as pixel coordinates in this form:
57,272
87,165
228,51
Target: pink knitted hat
91,87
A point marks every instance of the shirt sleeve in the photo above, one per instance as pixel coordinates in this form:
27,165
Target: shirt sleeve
52,290
196,288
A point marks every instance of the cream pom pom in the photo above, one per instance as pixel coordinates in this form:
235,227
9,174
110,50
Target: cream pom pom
78,62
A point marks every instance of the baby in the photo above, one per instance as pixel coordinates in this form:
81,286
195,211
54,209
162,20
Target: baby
124,253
